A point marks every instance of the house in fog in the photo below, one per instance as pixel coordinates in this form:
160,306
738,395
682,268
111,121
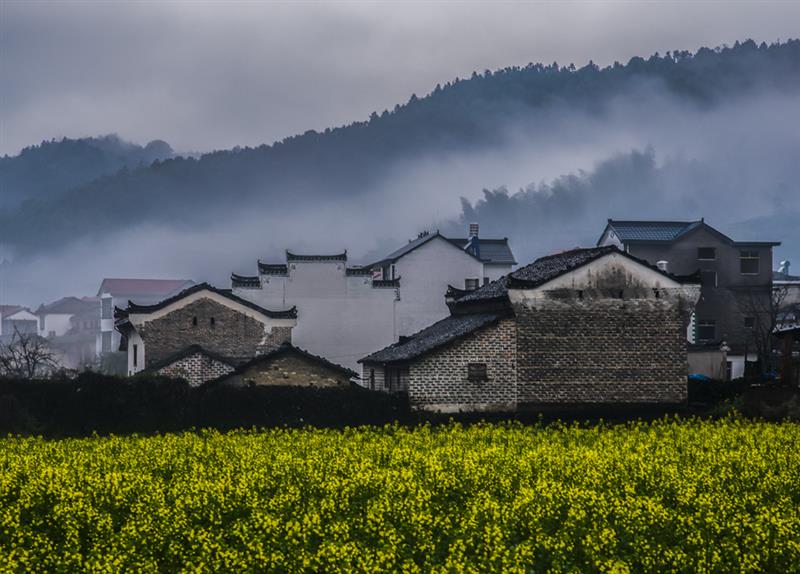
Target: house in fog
585,327
71,326
736,278
346,312
117,292
17,319
200,333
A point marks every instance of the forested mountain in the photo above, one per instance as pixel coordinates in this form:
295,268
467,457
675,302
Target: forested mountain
556,149
463,116
53,167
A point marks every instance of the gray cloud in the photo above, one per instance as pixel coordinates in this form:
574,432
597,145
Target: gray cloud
212,75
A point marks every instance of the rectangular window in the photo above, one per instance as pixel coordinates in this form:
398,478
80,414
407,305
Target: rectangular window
749,262
106,341
41,323
476,372
135,355
706,330
749,322
107,311
471,284
708,278
706,253
485,280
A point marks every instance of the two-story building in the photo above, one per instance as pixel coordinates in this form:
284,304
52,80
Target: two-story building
346,312
736,278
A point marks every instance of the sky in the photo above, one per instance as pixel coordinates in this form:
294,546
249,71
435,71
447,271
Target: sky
214,75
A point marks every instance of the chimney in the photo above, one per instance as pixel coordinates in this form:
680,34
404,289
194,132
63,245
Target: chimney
663,265
784,268
473,230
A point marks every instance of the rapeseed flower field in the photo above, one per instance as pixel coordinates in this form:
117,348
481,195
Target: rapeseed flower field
671,496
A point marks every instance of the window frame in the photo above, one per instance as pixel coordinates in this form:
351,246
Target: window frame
477,372
701,258
705,323
749,257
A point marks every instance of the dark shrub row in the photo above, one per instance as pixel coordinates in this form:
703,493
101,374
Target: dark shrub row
98,403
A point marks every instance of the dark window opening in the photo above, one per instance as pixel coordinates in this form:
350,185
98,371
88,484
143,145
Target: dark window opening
485,280
706,330
372,379
212,322
708,278
194,321
135,355
706,253
580,294
749,262
749,322
476,372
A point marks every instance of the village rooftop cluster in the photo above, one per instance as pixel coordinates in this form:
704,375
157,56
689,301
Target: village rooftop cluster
457,323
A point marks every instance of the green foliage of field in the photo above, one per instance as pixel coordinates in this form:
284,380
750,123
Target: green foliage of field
689,496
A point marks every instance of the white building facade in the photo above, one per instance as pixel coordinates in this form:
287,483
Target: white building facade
347,312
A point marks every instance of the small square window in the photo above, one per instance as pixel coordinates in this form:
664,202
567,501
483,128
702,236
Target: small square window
749,262
706,253
471,284
749,322
706,330
476,372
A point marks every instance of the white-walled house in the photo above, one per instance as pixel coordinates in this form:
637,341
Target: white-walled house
117,293
346,312
17,318
71,326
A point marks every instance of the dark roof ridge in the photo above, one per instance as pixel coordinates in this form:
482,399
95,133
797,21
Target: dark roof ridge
288,347
134,308
290,256
186,352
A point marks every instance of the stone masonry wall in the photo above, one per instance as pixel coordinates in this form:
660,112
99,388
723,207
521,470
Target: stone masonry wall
232,334
291,370
196,369
438,381
601,350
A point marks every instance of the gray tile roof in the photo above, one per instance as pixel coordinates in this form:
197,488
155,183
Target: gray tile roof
551,266
492,250
433,337
651,230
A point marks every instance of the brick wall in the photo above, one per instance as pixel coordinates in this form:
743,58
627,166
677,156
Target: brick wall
601,350
438,381
232,334
196,369
293,370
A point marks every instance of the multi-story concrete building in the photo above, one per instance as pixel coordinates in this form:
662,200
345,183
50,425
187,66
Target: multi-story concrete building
736,275
346,312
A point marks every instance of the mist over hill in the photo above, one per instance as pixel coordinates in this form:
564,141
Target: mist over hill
56,166
680,135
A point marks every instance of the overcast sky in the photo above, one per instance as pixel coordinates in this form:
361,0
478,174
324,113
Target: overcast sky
211,75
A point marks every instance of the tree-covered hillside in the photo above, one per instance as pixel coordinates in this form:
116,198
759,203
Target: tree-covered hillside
471,114
53,167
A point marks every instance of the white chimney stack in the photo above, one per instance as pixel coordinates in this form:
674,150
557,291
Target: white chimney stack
663,265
